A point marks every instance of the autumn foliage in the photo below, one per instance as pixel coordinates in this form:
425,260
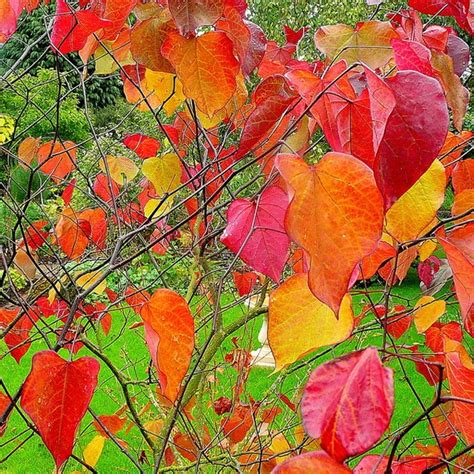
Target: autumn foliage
303,191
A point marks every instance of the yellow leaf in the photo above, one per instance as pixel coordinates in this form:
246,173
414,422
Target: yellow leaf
414,212
89,279
427,311
93,450
166,88
298,323
158,207
52,292
164,172
119,167
426,249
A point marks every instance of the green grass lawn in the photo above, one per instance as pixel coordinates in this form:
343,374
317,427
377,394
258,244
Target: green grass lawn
127,349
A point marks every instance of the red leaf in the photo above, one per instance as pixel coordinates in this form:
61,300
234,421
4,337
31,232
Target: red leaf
459,9
4,404
255,232
113,423
270,106
35,235
142,145
105,188
244,282
412,55
436,334
348,403
72,28
17,337
412,140
375,464
56,395
68,190
398,325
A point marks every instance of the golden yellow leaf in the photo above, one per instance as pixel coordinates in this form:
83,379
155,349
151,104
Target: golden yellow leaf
427,311
167,90
93,450
154,426
415,210
158,207
89,279
298,323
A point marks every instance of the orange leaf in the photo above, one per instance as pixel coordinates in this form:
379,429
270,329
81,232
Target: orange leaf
72,233
57,159
459,248
27,151
336,215
206,66
169,332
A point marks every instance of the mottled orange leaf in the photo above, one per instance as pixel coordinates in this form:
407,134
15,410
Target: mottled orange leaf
461,384
169,331
72,233
336,215
368,42
191,14
27,151
206,66
463,176
145,44
463,204
298,323
457,95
